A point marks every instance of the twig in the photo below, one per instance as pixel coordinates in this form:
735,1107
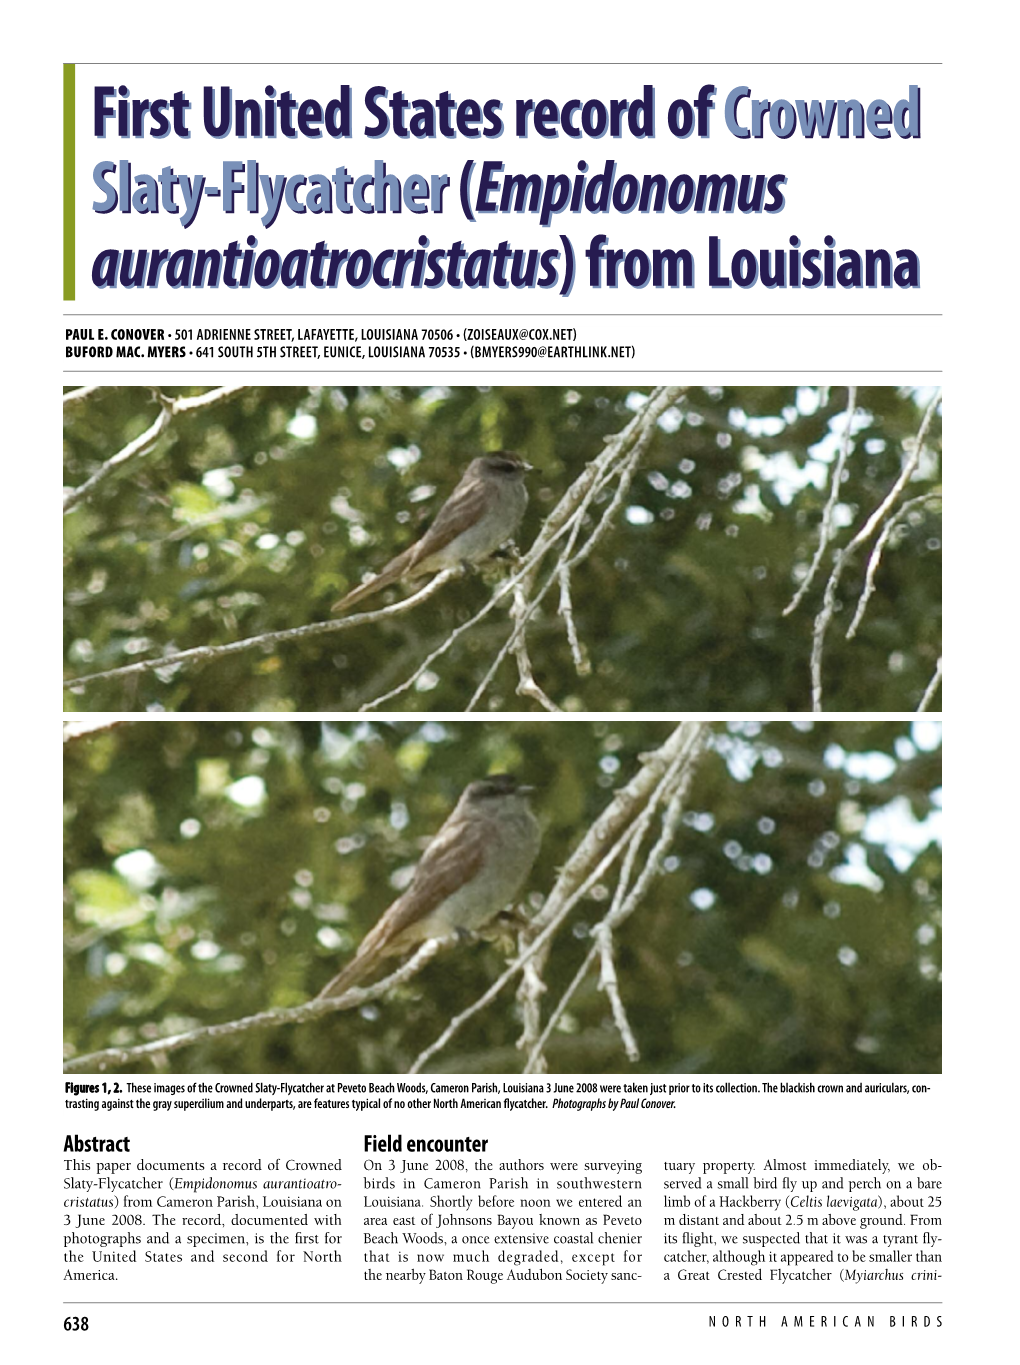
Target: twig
244,507
526,684
566,610
875,558
274,637
529,997
932,688
825,529
298,1014
609,984
532,1040
169,408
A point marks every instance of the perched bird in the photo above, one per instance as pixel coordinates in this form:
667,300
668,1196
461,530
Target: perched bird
471,870
481,514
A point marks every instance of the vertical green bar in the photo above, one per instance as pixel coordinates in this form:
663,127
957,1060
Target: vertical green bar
68,182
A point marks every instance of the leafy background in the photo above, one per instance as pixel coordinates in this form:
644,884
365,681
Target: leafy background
214,869
255,515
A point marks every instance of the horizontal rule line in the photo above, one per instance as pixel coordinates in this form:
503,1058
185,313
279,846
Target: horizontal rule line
380,61
581,317
580,1303
605,369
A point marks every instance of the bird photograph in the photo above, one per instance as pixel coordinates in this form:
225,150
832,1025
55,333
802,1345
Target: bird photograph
496,896
547,549
477,519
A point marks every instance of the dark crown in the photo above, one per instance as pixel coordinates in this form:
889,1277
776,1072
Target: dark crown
499,784
505,462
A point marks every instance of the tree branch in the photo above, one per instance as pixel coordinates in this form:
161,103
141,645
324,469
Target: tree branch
201,653
875,558
169,408
526,685
825,529
77,396
298,1014
931,689
83,729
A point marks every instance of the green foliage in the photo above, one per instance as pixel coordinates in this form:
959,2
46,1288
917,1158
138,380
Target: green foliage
215,869
254,515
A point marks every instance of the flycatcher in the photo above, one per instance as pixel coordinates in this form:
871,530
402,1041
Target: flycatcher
481,514
472,869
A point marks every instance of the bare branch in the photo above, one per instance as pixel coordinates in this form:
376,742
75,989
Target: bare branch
825,529
931,689
529,997
875,558
169,408
201,653
842,557
526,685
609,984
298,1014
76,396
532,1039
905,475
83,729
566,610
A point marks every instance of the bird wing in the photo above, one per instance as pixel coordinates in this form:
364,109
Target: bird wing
465,505
453,858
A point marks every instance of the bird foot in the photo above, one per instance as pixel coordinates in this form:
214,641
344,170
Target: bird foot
507,554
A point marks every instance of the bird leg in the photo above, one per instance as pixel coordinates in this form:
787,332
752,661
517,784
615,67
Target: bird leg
502,930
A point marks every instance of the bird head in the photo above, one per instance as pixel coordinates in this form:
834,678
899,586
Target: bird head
498,787
503,464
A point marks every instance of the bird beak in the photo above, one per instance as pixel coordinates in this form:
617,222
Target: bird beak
526,790
528,468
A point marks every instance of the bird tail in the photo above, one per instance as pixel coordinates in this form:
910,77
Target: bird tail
356,970
395,569
362,591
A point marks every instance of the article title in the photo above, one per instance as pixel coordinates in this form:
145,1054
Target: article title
483,189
